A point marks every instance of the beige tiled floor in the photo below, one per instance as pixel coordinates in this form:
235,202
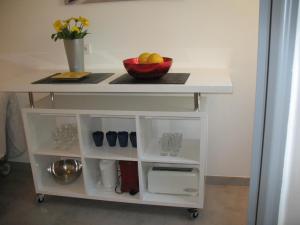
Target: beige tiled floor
224,205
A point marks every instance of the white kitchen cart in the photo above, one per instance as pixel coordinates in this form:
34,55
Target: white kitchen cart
150,110
171,114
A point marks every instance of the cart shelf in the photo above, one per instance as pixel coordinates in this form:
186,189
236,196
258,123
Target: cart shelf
149,127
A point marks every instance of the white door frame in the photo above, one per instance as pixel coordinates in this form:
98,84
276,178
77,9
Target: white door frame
275,57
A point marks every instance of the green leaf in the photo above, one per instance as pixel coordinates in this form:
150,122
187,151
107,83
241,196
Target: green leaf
65,33
83,34
60,35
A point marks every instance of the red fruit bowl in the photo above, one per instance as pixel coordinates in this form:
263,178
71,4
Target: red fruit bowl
147,71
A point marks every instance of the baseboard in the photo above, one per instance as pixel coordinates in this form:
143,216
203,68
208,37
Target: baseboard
219,180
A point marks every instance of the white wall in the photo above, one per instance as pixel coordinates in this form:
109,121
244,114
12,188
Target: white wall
290,192
196,33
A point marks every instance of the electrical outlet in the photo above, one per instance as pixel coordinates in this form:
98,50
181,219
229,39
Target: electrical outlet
87,48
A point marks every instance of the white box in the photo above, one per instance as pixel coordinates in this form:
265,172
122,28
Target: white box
171,180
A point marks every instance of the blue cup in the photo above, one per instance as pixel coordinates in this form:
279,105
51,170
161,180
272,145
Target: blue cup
98,138
123,138
111,137
133,139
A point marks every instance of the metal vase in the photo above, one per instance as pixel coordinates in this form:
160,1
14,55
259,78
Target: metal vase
75,54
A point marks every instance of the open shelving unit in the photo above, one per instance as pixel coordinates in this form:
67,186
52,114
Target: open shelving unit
40,129
152,128
167,199
91,123
94,187
149,125
45,182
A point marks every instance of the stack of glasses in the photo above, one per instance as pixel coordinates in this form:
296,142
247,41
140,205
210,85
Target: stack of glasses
170,144
65,135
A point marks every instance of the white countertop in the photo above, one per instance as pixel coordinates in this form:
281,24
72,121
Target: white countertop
200,80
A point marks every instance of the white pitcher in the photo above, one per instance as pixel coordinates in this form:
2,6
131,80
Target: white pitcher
108,170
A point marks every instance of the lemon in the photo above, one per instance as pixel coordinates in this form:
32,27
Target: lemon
144,57
155,58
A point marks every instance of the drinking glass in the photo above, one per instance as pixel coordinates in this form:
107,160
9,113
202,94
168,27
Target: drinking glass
55,137
176,143
164,144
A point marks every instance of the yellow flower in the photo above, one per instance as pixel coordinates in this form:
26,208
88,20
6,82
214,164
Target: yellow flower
75,29
70,19
58,25
84,21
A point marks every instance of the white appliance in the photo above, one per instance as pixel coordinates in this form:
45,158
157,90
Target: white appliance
108,170
172,180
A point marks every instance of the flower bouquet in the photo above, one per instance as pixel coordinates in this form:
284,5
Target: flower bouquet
72,31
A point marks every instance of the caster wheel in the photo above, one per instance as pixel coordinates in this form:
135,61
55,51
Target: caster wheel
194,213
5,170
40,198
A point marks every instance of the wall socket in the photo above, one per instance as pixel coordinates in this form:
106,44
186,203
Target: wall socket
88,48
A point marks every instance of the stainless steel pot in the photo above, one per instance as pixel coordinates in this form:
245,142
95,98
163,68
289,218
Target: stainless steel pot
65,171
